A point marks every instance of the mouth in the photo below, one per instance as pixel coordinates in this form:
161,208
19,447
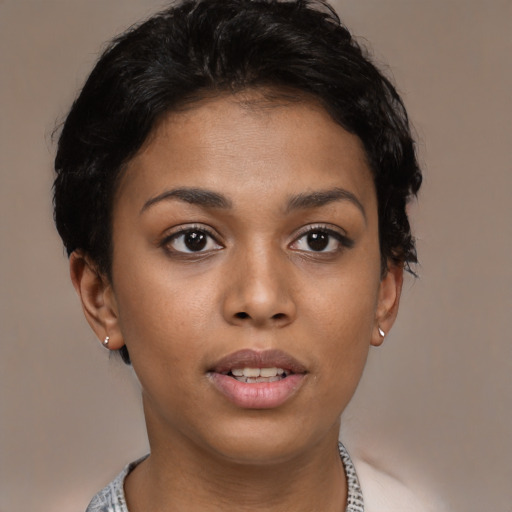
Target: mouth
257,380
258,375
249,365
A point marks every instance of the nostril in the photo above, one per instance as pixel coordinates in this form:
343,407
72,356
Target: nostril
278,316
242,315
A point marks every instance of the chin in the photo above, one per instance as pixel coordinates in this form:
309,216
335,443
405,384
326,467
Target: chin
260,441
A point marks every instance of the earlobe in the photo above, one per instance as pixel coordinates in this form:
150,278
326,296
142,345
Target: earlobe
97,298
388,301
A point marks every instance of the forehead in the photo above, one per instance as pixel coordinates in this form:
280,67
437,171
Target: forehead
250,143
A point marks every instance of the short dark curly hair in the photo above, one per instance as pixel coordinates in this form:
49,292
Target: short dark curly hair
202,47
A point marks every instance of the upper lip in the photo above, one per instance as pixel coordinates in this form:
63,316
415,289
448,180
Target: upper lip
248,358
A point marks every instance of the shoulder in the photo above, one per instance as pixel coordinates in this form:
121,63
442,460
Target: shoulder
111,498
383,492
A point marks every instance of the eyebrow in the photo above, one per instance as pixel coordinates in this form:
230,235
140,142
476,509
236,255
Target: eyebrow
198,196
209,199
323,197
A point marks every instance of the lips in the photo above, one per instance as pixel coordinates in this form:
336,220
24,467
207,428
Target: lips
257,380
253,359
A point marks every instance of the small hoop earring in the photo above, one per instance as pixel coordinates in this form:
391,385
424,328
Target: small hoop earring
381,332
106,341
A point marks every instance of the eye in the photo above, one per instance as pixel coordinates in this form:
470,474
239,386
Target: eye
322,240
192,240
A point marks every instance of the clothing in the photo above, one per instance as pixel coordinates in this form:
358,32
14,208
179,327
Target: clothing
112,499
385,492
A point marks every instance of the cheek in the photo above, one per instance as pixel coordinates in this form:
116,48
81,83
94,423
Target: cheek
344,302
343,317
164,317
163,325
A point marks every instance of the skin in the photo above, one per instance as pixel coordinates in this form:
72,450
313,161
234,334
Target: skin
257,285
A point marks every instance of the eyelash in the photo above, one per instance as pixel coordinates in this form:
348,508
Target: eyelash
184,230
322,229
343,240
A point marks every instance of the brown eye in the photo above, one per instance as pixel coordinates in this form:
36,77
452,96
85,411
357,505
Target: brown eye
195,241
318,241
192,241
321,240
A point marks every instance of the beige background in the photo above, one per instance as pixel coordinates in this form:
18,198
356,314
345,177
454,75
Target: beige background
434,407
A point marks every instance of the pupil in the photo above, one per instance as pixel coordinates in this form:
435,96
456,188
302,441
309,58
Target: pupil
195,241
318,241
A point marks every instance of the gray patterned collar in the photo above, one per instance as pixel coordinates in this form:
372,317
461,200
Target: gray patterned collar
112,499
354,493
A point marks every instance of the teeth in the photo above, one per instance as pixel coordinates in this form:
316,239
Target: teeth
251,372
270,372
253,380
253,375
257,372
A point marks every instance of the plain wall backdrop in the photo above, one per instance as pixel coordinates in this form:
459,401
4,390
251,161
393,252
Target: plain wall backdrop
434,406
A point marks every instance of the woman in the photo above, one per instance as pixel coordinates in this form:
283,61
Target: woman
231,190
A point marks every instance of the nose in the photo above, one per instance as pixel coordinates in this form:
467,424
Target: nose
259,291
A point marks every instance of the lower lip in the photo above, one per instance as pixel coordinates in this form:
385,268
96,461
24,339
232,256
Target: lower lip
258,395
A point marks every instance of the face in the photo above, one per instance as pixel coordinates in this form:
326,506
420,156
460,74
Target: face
246,276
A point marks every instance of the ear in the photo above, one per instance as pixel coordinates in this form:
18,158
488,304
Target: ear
97,297
388,302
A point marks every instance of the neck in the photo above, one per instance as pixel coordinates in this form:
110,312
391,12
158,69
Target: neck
180,476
